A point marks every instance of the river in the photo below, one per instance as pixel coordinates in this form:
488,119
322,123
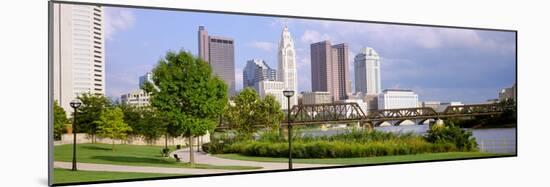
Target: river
493,140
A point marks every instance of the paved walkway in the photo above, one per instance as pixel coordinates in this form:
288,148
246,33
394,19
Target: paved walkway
205,158
202,158
139,169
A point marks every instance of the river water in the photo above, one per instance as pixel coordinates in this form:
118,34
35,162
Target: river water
493,140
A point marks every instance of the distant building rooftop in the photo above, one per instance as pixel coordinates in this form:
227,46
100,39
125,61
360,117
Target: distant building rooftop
397,90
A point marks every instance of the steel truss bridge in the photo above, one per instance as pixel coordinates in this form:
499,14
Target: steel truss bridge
351,112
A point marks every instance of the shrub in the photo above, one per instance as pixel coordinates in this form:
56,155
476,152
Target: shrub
165,151
335,149
462,139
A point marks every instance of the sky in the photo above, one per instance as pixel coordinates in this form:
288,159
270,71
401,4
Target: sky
439,64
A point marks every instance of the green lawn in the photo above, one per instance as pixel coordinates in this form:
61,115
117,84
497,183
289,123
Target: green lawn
68,176
129,155
366,160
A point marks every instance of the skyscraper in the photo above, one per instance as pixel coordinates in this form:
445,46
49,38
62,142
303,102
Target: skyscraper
329,69
79,52
257,70
273,88
341,56
287,65
367,72
148,77
219,52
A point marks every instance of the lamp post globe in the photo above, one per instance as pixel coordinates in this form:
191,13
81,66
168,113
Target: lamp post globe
74,104
288,94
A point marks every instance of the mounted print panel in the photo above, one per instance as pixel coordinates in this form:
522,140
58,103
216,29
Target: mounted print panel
142,93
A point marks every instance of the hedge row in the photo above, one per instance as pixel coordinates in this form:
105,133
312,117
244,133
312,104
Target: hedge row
331,149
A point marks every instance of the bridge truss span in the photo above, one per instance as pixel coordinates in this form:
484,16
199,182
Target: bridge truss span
351,112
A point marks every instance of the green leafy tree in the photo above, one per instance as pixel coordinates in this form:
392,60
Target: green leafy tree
187,93
152,125
145,122
271,113
132,117
251,113
244,114
92,107
111,125
59,120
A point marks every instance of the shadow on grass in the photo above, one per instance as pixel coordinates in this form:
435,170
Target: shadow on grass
91,147
127,159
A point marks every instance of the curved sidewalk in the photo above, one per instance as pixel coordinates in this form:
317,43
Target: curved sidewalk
205,158
140,169
200,157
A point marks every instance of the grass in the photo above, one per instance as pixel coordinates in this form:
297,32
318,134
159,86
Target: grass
68,176
367,160
129,155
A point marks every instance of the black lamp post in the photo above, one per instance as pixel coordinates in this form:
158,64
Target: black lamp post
74,104
288,94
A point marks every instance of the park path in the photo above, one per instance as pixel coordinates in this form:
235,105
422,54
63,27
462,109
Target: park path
139,169
200,157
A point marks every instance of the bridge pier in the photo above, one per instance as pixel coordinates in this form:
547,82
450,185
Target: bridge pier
437,122
367,125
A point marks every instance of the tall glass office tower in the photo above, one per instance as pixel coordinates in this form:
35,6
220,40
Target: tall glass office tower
219,52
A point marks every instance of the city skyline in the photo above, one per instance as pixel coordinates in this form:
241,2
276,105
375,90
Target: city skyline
410,56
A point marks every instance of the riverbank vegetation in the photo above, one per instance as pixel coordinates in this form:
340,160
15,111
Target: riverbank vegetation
356,143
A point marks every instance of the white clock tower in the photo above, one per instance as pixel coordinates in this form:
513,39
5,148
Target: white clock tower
286,72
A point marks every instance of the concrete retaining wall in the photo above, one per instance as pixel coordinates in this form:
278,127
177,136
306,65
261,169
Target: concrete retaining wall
85,138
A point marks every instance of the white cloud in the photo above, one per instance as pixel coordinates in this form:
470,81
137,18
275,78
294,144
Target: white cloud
311,36
392,35
117,20
265,46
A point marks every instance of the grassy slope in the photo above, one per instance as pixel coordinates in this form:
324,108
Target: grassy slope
68,176
367,160
130,155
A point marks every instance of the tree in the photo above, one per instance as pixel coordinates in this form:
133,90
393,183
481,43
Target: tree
187,93
250,113
450,133
271,113
92,107
111,125
59,120
152,125
144,121
244,114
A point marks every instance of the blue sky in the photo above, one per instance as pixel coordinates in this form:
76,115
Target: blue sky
440,64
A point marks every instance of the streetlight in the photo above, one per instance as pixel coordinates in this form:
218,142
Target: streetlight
288,94
74,104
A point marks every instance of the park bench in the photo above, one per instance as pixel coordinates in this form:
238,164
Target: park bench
176,157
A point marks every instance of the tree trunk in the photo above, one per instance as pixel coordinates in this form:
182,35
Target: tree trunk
166,141
191,154
198,144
